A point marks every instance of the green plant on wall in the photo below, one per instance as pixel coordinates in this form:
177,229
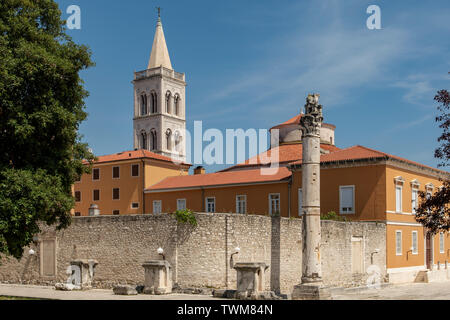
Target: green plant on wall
332,216
186,216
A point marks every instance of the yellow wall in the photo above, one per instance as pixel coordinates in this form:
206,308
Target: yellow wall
405,221
131,188
155,171
369,182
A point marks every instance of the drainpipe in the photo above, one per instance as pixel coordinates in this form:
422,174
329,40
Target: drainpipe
289,196
203,199
143,186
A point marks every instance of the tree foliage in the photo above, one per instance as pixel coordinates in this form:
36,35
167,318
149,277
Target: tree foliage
433,211
41,108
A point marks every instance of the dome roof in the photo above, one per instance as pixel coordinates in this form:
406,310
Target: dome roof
296,120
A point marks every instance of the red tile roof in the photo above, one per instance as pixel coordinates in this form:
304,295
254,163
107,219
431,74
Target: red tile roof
219,178
135,154
287,153
360,152
295,120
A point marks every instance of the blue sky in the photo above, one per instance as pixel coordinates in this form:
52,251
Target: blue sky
250,64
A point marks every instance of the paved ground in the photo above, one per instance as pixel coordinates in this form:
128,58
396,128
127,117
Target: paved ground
96,294
412,291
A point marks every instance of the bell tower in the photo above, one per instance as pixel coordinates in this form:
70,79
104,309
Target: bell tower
159,121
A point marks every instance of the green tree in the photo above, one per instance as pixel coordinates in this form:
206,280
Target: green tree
434,210
41,108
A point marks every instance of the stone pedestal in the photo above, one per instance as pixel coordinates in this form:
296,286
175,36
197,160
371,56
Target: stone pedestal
158,277
86,269
311,291
81,274
250,278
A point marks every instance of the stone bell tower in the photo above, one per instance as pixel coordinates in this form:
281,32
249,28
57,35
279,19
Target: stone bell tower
159,103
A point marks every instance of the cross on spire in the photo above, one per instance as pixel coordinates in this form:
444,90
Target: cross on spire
159,11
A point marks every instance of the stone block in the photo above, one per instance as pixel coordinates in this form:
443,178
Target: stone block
125,291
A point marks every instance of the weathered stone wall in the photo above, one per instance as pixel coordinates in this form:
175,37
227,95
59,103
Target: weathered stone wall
336,249
199,256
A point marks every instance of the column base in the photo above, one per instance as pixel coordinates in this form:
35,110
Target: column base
311,291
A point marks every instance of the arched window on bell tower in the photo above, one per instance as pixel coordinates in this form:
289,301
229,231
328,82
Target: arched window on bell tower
144,109
176,101
169,139
177,139
153,102
168,98
153,140
144,140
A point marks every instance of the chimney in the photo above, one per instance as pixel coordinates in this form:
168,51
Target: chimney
199,170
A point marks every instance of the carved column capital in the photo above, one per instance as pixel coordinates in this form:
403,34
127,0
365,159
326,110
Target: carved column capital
311,122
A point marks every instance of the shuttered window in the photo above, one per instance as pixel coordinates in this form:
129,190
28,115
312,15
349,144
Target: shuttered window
398,199
116,172
116,194
415,249
96,174
157,206
96,195
135,170
347,199
398,243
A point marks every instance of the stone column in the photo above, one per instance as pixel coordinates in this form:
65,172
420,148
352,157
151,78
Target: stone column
310,124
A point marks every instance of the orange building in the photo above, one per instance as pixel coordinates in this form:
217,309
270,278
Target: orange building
117,182
357,183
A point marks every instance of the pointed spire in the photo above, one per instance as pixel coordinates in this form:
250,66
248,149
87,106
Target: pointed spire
160,54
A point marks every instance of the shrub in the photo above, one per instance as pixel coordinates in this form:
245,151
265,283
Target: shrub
186,216
332,216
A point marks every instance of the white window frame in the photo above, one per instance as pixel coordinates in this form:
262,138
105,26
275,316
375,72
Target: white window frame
441,242
353,211
415,245
136,207
300,202
98,174
241,202
398,251
178,204
270,203
139,170
159,202
214,204
112,173
399,203
414,200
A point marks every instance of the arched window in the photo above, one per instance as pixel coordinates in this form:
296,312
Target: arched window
177,141
143,140
154,145
176,101
169,139
144,109
154,102
168,98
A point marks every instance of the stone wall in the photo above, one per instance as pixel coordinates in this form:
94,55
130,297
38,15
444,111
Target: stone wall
199,255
